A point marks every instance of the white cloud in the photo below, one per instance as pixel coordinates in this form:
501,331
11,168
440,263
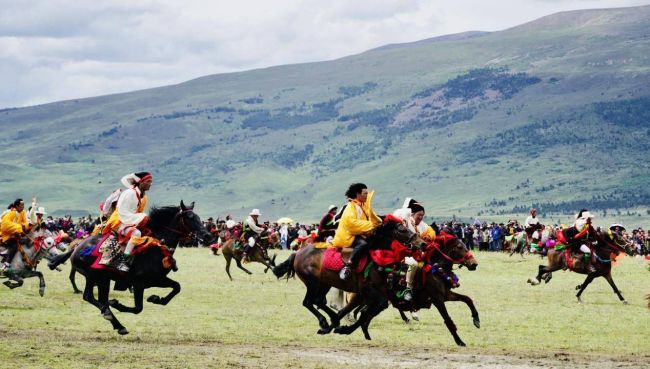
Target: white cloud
62,49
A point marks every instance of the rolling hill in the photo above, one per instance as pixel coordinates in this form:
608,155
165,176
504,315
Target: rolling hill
553,113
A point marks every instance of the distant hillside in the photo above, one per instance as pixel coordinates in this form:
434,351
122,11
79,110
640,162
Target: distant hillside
553,113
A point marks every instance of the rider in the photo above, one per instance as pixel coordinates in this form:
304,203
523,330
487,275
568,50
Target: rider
579,234
422,230
14,224
358,219
252,229
533,226
326,227
129,218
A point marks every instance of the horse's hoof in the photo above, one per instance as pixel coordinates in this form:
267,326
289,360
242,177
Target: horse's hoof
113,302
477,323
324,330
461,343
107,315
367,336
625,302
122,331
154,299
77,292
41,291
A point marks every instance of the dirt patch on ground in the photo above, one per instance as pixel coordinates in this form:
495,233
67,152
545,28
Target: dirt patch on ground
364,357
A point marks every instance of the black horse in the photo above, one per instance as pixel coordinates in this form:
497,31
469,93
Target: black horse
170,224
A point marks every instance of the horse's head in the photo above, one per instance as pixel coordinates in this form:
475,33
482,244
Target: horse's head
618,242
453,250
187,221
393,228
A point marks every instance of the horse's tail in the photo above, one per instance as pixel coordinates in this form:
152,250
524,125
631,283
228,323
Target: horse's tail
285,267
60,259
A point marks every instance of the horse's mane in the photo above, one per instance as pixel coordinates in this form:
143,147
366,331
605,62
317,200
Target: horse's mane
161,216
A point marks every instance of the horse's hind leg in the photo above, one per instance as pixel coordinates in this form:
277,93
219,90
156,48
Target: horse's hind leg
311,299
103,289
228,260
583,286
453,296
73,271
241,267
322,304
609,279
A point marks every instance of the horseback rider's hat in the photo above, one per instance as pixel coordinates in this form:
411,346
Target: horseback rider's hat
413,205
255,212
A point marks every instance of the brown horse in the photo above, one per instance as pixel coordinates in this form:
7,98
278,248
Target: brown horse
442,254
258,253
606,245
308,265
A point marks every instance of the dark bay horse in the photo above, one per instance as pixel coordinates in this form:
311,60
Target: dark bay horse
169,224
605,245
258,253
444,252
307,263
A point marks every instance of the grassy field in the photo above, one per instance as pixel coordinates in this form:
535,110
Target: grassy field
256,321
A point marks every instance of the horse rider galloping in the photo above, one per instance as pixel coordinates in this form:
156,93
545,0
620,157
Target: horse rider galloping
580,234
129,218
358,219
14,224
422,230
532,226
252,230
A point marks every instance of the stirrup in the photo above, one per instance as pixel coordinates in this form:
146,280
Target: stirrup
408,295
345,273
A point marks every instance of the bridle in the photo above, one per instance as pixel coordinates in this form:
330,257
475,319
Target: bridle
183,230
446,238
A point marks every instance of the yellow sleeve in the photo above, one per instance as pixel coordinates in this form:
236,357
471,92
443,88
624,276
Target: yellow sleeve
429,233
375,220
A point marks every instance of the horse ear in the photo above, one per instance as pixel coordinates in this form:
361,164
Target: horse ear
192,205
183,206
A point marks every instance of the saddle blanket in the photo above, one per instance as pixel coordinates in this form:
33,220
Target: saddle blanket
332,260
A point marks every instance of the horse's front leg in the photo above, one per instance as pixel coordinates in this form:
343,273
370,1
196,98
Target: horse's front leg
15,278
41,280
453,296
610,280
165,283
442,309
138,293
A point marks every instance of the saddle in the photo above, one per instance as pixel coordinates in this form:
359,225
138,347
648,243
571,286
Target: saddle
335,258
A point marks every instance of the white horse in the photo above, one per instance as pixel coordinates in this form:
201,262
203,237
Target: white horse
23,264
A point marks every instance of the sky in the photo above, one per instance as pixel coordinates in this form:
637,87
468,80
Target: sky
53,50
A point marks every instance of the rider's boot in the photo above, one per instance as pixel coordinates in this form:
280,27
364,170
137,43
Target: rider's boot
247,251
590,266
410,276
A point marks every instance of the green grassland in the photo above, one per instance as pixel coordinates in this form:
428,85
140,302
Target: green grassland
289,139
259,322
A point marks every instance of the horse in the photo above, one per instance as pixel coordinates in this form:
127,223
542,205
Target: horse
605,246
442,254
258,252
520,241
170,224
24,262
307,263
